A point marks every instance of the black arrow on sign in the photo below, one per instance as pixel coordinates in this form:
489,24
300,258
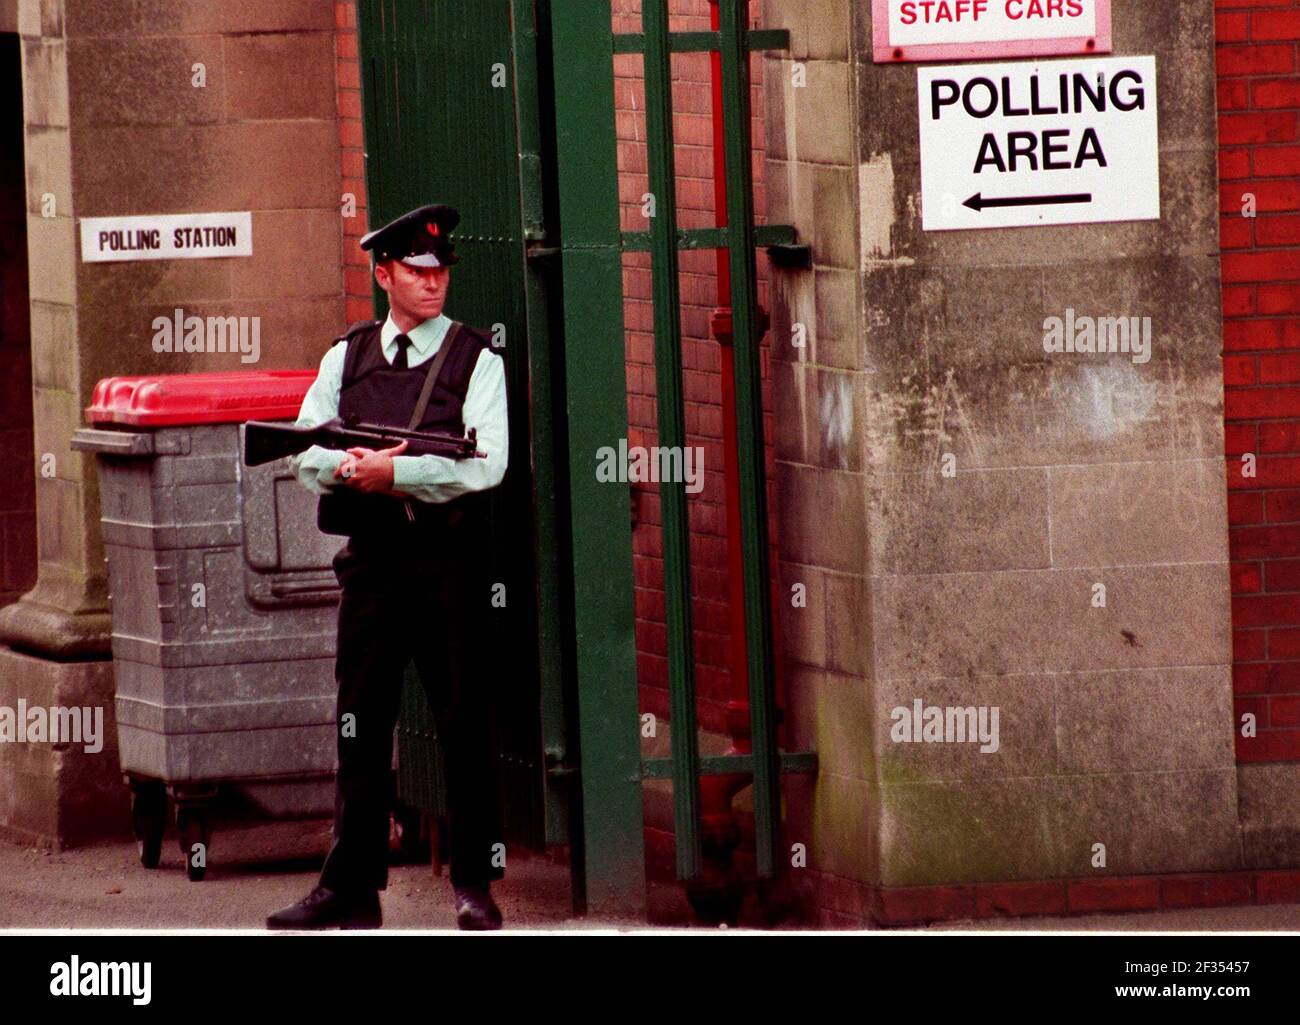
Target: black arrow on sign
977,202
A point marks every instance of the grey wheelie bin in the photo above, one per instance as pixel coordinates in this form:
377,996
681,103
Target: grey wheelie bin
224,606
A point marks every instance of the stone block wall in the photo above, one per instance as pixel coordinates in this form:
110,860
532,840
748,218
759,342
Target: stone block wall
151,107
978,587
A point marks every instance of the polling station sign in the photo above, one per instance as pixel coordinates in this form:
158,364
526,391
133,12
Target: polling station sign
927,30
1035,143
166,237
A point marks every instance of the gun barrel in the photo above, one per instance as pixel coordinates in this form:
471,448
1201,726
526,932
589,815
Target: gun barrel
265,442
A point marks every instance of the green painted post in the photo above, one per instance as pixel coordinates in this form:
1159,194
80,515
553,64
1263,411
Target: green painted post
604,616
733,17
546,422
672,435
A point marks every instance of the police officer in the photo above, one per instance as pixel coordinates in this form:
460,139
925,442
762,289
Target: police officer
412,573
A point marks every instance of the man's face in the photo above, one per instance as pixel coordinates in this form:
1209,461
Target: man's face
417,293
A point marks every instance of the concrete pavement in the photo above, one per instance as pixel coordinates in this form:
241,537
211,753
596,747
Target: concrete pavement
253,870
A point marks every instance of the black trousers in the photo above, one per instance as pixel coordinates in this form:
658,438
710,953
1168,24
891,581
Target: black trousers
428,602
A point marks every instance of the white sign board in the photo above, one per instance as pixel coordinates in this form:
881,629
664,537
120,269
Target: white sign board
1060,142
919,30
166,237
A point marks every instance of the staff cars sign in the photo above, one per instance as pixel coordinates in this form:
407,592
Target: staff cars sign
923,30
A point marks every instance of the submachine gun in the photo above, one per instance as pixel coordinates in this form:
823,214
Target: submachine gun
265,442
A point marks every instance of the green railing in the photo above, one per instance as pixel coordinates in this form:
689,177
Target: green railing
591,246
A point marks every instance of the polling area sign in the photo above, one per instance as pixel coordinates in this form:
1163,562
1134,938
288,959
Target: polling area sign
927,30
1039,142
166,237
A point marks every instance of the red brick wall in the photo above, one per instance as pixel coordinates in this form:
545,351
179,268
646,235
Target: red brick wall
700,355
1259,139
701,360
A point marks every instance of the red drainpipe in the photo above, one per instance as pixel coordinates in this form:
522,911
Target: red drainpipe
719,832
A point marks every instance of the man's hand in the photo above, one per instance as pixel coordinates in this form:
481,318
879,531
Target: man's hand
369,470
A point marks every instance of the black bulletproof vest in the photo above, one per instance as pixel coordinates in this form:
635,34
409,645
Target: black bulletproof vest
375,392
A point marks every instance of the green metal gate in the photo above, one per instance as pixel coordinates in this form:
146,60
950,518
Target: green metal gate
506,108
438,86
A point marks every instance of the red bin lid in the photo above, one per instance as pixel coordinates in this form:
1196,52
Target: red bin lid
165,400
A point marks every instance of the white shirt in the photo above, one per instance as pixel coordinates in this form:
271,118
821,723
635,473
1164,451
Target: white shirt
428,478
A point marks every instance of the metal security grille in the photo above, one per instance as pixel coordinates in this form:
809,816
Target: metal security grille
592,243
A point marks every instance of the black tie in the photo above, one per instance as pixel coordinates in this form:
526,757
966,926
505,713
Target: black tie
403,343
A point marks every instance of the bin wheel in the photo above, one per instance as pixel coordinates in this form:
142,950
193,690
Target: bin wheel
149,820
194,835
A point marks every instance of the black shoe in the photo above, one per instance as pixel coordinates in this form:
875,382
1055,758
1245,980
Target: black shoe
324,908
475,908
